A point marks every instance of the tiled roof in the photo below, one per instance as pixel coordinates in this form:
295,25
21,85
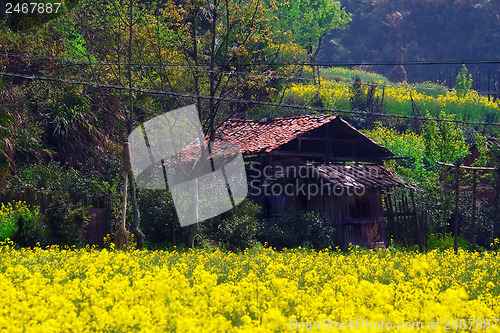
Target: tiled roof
266,135
358,175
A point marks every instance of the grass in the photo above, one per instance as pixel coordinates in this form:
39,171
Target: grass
335,92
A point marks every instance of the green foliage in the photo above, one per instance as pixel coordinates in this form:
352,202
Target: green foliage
72,128
358,95
484,152
297,229
444,141
8,222
25,16
21,223
66,221
349,75
463,83
5,120
311,20
75,41
237,232
430,89
446,242
56,122
233,230
410,147
157,216
31,227
440,142
58,179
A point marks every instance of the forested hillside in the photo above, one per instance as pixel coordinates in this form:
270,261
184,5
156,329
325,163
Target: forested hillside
432,31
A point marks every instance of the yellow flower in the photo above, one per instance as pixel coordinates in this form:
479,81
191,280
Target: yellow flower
92,290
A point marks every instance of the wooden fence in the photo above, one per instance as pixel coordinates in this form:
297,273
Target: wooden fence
405,224
99,210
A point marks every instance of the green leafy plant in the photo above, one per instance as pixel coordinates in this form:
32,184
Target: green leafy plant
66,221
297,229
444,141
446,242
8,225
463,83
60,179
237,232
31,227
158,216
22,223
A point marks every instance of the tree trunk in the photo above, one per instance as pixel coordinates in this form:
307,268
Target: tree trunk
193,228
138,234
455,217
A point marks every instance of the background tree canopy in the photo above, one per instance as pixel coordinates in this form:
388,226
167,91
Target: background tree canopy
438,30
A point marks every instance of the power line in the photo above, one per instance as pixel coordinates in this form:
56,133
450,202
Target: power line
300,63
182,66
241,101
231,73
407,63
298,78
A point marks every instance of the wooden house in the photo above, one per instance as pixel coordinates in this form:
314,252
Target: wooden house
317,163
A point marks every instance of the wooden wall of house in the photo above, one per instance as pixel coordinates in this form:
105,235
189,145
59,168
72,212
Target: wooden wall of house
356,218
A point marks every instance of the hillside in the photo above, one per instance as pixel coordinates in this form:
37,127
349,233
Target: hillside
432,31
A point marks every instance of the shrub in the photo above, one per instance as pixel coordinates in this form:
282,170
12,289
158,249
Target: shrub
157,216
66,182
446,242
430,89
345,74
22,223
237,232
31,226
66,221
297,229
58,179
233,230
8,225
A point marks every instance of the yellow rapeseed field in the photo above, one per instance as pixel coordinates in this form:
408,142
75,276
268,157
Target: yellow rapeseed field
398,100
261,290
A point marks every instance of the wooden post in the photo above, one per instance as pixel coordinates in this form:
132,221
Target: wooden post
390,217
489,92
457,189
172,229
417,220
426,228
496,222
108,206
122,235
474,188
